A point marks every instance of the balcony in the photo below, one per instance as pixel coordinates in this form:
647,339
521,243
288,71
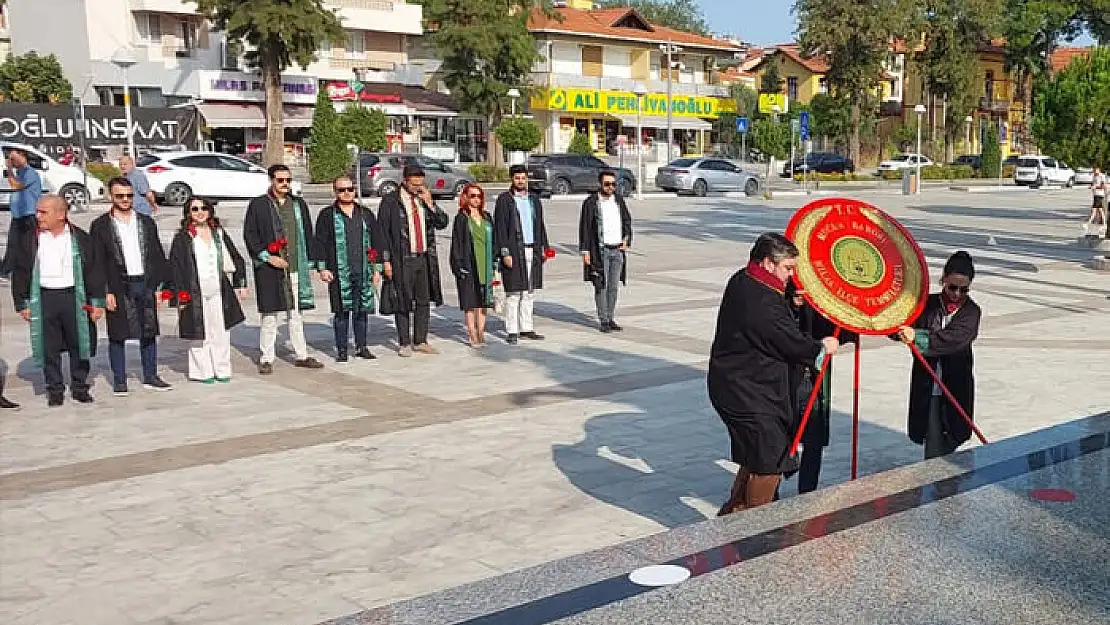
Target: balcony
177,7
380,15
994,106
575,81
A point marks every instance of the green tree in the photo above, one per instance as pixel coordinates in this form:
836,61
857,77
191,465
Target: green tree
771,80
855,37
580,144
327,153
684,15
518,134
831,117
32,79
991,166
486,50
1071,112
278,34
364,127
771,137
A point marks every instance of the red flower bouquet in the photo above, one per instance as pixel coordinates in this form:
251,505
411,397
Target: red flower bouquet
372,255
277,245
183,297
549,253
192,230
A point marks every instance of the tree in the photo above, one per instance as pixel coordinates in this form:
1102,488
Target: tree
831,117
32,79
1071,111
327,153
278,35
991,163
580,144
518,134
684,15
486,50
854,36
364,127
771,80
771,137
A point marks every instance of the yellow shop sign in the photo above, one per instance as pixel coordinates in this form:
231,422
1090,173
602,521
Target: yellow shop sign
623,103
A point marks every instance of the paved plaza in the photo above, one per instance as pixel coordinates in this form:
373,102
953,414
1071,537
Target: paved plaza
305,496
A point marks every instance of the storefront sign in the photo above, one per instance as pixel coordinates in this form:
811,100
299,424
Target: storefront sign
52,128
768,102
623,102
340,91
243,87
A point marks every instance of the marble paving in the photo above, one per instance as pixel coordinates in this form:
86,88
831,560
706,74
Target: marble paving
305,496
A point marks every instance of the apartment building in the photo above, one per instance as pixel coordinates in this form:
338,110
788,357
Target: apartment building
592,63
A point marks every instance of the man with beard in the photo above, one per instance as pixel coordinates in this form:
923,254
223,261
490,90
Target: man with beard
604,233
520,239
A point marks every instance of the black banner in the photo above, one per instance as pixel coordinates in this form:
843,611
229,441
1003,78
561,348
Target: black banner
52,128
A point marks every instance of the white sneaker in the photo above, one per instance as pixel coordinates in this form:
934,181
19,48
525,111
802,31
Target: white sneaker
405,351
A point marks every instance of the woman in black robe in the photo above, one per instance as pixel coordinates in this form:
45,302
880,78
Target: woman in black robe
207,314
472,261
944,333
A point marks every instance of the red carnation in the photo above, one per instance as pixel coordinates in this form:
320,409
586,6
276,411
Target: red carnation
276,245
192,230
166,295
549,253
183,297
495,283
372,255
86,308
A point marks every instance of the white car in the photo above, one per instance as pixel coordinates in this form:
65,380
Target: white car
66,180
174,176
1084,176
904,161
1037,170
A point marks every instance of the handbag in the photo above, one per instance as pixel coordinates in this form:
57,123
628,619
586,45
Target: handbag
498,294
390,301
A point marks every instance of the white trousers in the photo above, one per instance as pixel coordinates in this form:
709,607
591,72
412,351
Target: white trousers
268,335
211,358
519,304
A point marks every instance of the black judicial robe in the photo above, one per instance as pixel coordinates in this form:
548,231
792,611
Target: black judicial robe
184,263
508,240
126,322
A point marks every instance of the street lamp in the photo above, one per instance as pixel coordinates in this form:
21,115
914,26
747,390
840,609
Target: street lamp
920,110
967,133
640,90
514,94
669,49
125,59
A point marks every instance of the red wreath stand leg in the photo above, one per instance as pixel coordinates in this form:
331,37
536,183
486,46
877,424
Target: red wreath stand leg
812,399
855,409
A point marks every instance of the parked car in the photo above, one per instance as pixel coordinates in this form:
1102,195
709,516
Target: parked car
1037,170
561,174
904,161
819,162
1084,176
704,175
174,176
974,161
66,180
379,173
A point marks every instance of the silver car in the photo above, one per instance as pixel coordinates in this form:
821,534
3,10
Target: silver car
379,173
703,175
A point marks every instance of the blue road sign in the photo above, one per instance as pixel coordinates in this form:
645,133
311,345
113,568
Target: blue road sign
1002,133
742,125
805,125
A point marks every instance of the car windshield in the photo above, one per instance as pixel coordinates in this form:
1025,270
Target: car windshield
537,160
683,162
1028,162
146,160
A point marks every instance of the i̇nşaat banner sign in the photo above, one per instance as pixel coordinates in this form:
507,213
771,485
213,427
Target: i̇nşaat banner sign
53,128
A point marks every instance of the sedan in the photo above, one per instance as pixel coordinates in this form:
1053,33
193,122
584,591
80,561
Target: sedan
703,175
175,176
379,174
1084,176
904,161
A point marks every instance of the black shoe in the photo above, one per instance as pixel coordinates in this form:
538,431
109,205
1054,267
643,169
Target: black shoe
512,339
341,356
364,353
156,384
55,400
614,327
7,403
83,397
532,336
265,368
119,389
604,327
309,363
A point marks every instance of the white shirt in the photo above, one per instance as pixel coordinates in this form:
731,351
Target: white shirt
55,258
610,220
128,232
208,268
1098,184
939,371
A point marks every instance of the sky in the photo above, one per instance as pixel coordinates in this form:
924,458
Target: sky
758,21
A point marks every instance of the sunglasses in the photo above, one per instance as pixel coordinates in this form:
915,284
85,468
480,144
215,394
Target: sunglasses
197,208
962,290
608,184
283,180
474,196
344,189
123,196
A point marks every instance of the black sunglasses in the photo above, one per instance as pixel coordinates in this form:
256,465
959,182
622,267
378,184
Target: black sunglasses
196,208
475,196
344,189
963,290
123,196
609,184
283,180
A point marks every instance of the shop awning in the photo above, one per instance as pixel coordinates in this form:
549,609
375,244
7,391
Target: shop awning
655,121
236,115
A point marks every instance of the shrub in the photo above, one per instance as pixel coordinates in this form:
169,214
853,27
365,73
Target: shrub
484,172
833,177
518,135
991,154
580,145
328,157
104,171
364,127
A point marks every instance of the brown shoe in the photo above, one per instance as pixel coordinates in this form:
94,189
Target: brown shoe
424,348
265,368
309,363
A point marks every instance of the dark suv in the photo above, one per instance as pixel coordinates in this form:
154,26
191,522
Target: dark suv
561,174
821,163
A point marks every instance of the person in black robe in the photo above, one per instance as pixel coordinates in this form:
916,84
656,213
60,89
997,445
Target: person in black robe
520,239
350,240
473,261
135,270
281,243
58,288
944,333
757,342
604,235
409,218
210,276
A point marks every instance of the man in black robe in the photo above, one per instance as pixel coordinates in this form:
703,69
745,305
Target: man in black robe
757,342
57,287
604,233
135,270
409,218
350,242
520,240
282,244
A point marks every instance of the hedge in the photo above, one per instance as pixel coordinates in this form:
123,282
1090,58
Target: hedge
104,171
833,177
484,172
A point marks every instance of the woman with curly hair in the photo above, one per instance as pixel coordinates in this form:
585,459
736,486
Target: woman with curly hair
472,261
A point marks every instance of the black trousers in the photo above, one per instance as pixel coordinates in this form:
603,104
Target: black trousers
809,472
18,226
59,334
341,321
417,283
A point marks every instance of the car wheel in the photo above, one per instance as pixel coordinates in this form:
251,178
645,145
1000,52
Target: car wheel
624,188
177,194
561,186
700,188
75,195
459,186
751,187
1071,182
387,188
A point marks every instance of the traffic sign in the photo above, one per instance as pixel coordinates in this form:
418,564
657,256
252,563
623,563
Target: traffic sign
742,125
805,125
1002,133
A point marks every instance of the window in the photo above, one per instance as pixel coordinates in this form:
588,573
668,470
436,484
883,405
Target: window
198,162
823,85
792,88
356,44
150,27
988,85
233,164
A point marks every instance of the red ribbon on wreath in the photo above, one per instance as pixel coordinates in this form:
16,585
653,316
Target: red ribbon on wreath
277,245
372,255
